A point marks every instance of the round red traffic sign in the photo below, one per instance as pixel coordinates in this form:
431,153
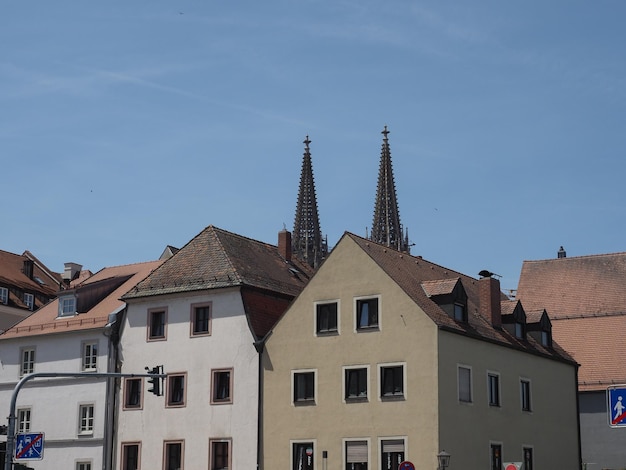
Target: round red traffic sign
511,467
406,465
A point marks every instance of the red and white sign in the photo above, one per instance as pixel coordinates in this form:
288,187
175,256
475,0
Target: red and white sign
512,466
406,465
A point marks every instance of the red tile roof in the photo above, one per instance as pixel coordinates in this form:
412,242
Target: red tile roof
46,320
411,272
585,297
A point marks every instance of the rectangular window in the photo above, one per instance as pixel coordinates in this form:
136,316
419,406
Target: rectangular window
67,306
156,324
83,465
528,458
200,319
23,420
304,387
496,457
173,456
459,312
130,456
85,420
520,330
303,456
326,317
546,339
176,390
356,455
28,361
4,295
392,453
525,394
90,356
493,384
367,314
391,381
222,386
132,393
29,301
355,384
220,454
465,384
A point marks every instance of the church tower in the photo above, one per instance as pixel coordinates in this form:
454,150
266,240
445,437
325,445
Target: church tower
307,242
386,227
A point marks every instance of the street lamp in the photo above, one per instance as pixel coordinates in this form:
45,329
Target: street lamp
443,458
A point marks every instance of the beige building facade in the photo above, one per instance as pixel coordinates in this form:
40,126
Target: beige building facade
385,357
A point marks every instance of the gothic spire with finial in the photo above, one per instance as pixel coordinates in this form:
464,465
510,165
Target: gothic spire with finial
386,227
307,242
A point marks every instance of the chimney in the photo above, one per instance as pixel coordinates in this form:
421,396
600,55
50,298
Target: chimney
28,268
72,270
561,253
489,300
284,244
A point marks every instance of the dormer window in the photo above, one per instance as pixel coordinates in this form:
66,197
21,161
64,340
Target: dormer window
520,332
67,306
460,312
29,301
449,295
546,339
4,295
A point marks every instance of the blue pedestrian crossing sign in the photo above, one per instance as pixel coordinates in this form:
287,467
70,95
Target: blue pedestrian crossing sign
616,403
29,446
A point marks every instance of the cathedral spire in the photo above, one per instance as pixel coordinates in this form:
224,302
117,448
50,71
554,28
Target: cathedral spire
386,227
307,242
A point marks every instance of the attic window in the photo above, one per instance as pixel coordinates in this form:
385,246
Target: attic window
29,300
460,312
4,295
520,330
67,306
546,339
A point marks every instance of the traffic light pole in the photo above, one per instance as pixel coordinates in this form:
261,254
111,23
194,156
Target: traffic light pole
8,462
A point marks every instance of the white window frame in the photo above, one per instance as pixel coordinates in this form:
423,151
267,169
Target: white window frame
84,465
344,450
24,420
27,364
355,313
67,306
89,359
4,295
381,440
368,394
329,332
312,401
86,419
29,300
388,365
471,384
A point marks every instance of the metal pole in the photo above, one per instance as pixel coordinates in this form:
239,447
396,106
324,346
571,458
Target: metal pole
8,461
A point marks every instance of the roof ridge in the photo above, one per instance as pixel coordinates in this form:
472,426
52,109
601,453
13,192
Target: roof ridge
598,255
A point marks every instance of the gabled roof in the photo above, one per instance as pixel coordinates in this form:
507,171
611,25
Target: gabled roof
585,297
440,286
216,259
410,273
46,320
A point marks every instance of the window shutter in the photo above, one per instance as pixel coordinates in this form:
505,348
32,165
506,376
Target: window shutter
393,445
356,451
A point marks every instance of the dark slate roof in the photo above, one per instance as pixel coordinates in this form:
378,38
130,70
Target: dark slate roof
216,259
585,298
411,272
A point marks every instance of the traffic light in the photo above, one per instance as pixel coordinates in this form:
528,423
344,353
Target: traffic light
155,381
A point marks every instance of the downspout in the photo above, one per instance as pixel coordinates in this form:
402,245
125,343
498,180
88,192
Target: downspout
260,347
580,451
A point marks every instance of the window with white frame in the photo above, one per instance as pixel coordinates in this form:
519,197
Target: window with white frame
83,465
464,377
303,387
355,384
4,295
367,314
85,419
23,420
27,365
356,455
326,318
391,453
90,356
302,455
493,388
391,381
29,300
67,305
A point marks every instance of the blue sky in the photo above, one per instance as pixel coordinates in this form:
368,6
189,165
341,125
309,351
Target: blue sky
128,126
